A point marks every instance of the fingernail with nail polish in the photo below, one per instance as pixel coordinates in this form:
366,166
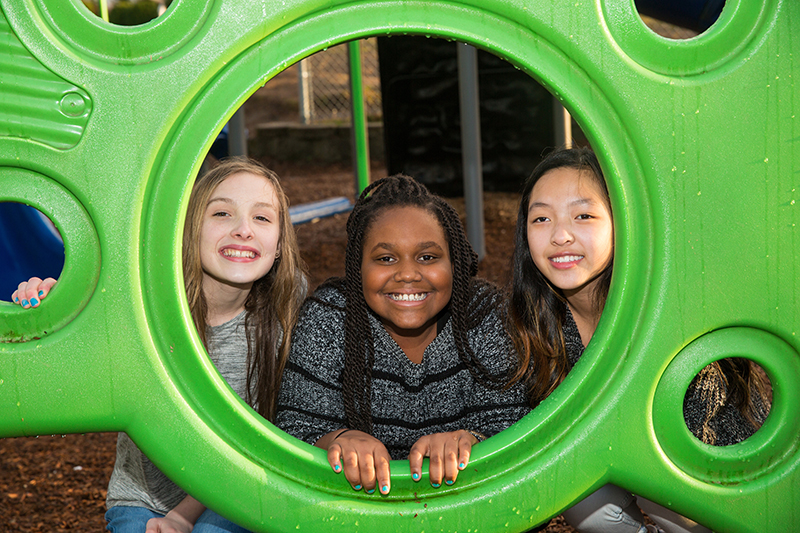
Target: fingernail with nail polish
436,485
449,481
357,487
34,301
415,476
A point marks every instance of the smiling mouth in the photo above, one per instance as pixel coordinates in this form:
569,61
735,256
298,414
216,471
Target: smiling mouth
228,252
406,297
566,258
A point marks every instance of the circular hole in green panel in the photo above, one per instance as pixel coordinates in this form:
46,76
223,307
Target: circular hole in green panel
679,20
768,447
155,40
81,262
215,404
129,12
741,395
740,26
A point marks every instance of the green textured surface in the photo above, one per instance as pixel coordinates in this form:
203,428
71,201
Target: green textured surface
697,139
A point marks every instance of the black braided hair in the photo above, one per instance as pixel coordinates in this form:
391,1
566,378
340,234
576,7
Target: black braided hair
466,313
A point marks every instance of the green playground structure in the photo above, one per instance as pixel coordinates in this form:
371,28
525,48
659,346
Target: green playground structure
103,128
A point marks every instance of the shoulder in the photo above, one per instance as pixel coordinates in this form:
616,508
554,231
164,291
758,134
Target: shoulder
322,316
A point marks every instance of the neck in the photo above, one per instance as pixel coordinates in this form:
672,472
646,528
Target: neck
585,313
414,343
224,301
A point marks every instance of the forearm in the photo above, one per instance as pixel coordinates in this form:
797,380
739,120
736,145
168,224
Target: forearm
188,511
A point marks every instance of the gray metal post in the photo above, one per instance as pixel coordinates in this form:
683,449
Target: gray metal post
562,124
237,136
471,145
306,91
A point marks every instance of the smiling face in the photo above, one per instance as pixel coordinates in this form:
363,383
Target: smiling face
406,273
240,232
570,230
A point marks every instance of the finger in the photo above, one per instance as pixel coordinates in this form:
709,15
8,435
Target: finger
415,457
335,458
19,295
351,468
464,451
32,291
45,286
436,465
452,451
382,471
367,464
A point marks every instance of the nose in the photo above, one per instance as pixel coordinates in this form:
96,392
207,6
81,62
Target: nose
562,235
407,271
242,229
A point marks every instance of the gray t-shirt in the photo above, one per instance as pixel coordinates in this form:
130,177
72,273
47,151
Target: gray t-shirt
136,481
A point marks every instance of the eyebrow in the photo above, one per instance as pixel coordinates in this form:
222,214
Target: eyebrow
229,201
577,202
420,246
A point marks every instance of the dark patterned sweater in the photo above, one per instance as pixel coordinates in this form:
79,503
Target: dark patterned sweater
408,400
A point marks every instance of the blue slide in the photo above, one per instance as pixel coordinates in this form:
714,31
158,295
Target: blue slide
29,246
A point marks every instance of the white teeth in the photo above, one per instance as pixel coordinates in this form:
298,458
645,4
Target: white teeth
228,252
405,297
566,258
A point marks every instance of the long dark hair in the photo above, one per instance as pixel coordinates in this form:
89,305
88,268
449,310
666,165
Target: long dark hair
466,308
274,301
538,310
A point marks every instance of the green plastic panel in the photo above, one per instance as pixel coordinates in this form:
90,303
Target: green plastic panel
700,145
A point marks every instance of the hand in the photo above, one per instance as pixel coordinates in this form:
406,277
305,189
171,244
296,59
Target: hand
365,459
30,293
449,453
172,523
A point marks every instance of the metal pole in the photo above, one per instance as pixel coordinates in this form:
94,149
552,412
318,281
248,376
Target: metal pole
471,145
562,124
359,118
237,136
306,91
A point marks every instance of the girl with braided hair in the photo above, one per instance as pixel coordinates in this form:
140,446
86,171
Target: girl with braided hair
563,259
406,355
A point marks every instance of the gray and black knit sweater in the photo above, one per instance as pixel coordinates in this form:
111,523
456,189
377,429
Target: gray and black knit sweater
408,400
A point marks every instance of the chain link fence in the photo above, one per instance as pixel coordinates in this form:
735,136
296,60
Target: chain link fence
325,84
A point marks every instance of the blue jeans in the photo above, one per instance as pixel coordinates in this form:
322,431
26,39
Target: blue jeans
134,520
129,519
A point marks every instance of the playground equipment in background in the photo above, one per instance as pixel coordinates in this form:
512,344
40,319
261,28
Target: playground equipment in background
698,142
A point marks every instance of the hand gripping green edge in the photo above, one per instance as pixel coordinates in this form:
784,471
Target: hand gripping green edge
697,139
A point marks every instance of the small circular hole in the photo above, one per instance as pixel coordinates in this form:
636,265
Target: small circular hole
727,401
679,20
30,245
130,12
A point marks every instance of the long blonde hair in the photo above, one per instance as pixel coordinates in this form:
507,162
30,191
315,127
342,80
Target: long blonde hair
274,300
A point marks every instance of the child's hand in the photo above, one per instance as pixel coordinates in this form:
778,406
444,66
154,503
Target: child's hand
30,293
448,452
168,524
365,459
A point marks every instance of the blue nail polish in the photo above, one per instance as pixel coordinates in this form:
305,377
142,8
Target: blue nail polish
337,468
16,300
357,487
415,476
461,465
449,481
41,293
24,303
370,491
34,301
436,485
385,488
